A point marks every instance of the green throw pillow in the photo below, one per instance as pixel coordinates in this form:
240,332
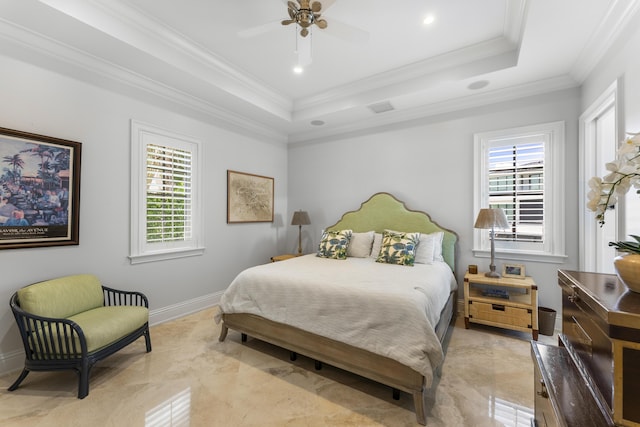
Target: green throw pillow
398,248
334,244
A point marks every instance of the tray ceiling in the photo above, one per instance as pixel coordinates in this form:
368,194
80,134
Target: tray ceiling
196,55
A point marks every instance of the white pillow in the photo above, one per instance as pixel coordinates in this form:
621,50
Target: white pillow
360,245
377,243
430,248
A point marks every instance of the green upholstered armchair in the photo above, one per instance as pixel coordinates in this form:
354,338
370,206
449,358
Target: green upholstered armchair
73,322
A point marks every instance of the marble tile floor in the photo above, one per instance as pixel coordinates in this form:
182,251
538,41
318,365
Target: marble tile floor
191,379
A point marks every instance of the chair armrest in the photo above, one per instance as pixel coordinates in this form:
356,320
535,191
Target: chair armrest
118,297
47,337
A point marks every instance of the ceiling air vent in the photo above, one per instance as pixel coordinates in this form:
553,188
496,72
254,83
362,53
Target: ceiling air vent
381,107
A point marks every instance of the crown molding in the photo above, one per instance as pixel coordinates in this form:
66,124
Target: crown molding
491,53
403,118
426,70
412,86
618,18
53,55
515,19
128,25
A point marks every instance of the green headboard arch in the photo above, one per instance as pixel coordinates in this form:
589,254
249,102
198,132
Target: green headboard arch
383,211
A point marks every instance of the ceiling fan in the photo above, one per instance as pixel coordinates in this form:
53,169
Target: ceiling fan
306,15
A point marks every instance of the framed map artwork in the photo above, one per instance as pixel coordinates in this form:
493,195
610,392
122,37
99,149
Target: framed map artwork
249,197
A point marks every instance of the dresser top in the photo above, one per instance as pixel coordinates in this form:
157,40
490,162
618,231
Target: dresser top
607,296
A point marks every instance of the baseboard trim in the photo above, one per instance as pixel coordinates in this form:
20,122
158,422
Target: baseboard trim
11,361
14,360
184,308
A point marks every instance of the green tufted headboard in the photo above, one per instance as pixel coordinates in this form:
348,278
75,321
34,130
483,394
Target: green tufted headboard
383,211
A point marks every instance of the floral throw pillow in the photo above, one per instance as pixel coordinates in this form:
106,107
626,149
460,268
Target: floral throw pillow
334,244
398,248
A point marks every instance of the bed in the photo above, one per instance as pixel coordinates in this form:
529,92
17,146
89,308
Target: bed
343,312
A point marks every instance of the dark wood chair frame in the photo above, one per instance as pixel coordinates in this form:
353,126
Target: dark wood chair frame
51,344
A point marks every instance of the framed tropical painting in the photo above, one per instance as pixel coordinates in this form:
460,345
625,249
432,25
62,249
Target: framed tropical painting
39,190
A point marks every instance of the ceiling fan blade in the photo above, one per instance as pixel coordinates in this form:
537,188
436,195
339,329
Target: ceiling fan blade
346,32
321,23
292,12
260,29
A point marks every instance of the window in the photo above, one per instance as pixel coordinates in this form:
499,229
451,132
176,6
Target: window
516,184
165,202
520,171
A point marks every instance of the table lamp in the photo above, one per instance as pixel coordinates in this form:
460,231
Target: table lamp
489,219
300,218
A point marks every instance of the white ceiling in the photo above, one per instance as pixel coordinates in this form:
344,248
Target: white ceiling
195,55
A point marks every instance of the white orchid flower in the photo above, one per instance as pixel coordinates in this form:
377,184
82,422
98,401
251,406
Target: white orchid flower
623,186
595,183
624,173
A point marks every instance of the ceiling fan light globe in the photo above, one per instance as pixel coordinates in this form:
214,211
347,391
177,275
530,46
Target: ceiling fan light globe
321,23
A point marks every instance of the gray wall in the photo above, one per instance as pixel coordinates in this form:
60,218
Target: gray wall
39,101
428,164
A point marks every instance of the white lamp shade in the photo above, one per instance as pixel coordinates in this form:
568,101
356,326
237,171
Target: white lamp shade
490,218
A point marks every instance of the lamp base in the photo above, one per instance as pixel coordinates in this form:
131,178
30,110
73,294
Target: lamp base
492,274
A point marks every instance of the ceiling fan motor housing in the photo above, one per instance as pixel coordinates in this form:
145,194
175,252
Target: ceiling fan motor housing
305,16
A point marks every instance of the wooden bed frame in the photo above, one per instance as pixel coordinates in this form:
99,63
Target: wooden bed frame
381,211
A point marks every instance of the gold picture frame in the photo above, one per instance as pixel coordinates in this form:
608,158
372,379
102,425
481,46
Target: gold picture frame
249,197
515,271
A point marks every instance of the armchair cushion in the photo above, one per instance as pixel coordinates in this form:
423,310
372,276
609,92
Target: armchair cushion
62,297
105,325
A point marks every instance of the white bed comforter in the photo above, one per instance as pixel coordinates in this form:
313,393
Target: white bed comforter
390,310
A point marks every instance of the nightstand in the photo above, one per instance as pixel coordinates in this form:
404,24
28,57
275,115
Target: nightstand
502,302
284,257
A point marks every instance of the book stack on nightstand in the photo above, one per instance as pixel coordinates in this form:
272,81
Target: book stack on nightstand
502,302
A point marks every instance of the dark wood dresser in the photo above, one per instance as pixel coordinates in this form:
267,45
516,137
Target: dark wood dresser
593,377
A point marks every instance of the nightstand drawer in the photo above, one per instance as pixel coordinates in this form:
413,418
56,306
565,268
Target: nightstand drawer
500,313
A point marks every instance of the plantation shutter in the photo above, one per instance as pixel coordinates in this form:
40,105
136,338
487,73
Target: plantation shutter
516,184
168,194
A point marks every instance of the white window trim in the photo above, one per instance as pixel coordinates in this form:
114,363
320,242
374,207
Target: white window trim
554,193
139,252
611,97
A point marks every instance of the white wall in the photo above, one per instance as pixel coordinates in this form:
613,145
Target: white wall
39,101
428,164
622,62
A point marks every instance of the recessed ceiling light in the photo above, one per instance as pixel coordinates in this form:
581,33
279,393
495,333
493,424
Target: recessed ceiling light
317,122
478,84
298,69
429,19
